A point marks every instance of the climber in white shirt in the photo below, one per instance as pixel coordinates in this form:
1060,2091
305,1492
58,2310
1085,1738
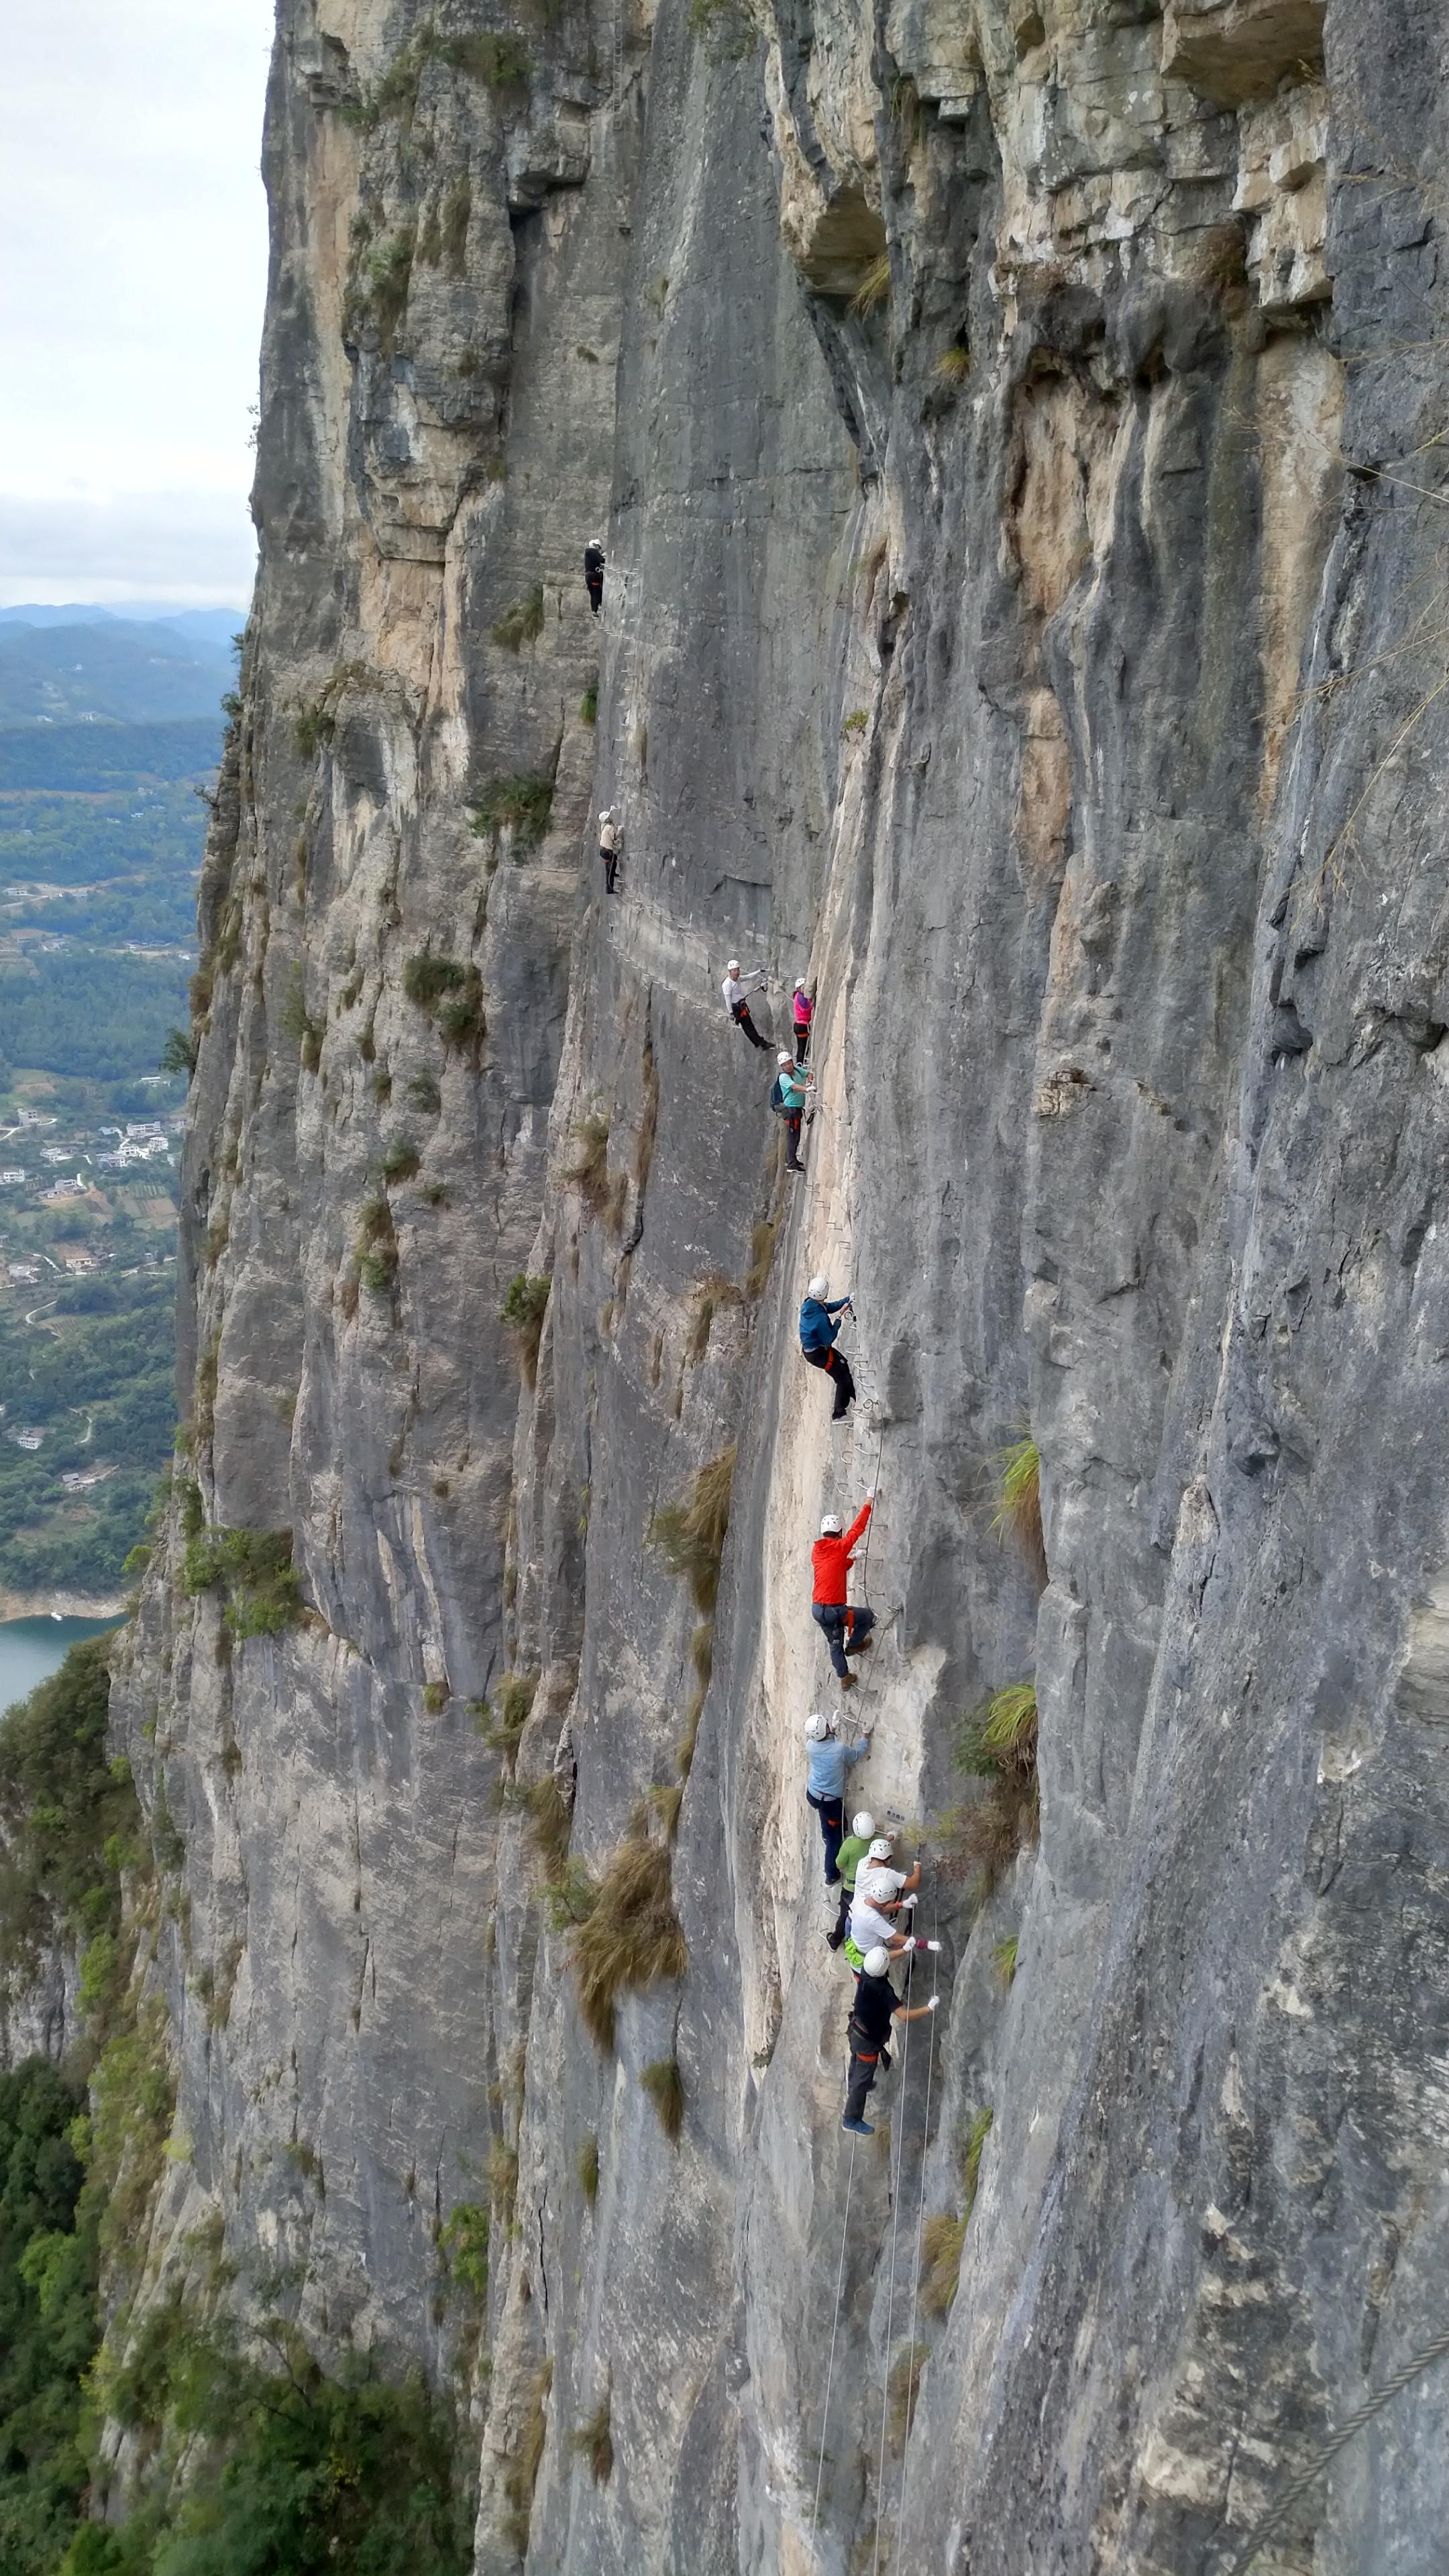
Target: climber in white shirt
734,992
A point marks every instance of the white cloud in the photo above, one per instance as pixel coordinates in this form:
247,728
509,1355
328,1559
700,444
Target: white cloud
131,297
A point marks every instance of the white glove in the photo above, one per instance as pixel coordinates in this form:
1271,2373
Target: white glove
867,1726
906,1903
911,1945
935,2004
870,1497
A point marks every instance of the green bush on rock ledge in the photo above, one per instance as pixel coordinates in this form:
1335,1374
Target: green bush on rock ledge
264,1591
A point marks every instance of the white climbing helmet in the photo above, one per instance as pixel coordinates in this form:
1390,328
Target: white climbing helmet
799,983
816,1728
880,1848
597,541
863,1825
877,1961
830,1526
733,967
784,1056
819,1286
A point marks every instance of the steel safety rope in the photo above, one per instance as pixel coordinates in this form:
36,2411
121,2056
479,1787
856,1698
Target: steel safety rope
935,1959
1338,2441
870,1524
899,2144
830,2365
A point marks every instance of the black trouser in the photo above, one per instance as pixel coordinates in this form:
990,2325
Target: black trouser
595,581
611,867
836,1940
838,1367
831,1812
792,1119
802,1042
742,1020
863,2064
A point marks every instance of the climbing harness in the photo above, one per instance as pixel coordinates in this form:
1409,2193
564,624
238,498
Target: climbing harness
934,1956
830,2365
1338,2441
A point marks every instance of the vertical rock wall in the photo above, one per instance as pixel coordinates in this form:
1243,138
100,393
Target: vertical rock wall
1013,433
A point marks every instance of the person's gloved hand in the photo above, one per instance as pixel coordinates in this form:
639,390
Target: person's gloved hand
935,2004
870,1497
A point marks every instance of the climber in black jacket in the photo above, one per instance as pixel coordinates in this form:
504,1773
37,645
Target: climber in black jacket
594,573
876,2006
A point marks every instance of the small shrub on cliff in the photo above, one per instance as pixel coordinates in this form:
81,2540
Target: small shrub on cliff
589,2170
427,978
424,1094
520,804
264,1591
903,2386
954,364
501,1722
589,1170
521,624
462,1025
691,1533
550,1823
401,1161
521,2475
631,1938
179,1053
523,1311
463,2245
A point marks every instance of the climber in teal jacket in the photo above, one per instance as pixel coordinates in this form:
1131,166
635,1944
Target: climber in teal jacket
818,1329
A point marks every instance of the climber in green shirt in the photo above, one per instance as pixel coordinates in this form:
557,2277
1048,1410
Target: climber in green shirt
847,1860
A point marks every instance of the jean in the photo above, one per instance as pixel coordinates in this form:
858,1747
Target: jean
839,1623
831,1812
838,1366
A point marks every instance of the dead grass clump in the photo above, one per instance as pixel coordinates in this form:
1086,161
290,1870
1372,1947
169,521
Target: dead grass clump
710,1294
997,1744
550,1824
1017,1515
502,1719
503,2179
594,2441
665,2087
691,1533
942,2240
762,1253
664,1803
522,623
954,364
903,2387
874,286
521,2475
589,2170
589,1170
630,1938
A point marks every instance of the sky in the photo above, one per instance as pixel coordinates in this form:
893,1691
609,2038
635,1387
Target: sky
131,298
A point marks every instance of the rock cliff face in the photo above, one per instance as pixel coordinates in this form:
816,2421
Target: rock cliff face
1015,432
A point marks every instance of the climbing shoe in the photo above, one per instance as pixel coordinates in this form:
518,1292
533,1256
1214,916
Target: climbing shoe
847,1681
863,1648
859,2128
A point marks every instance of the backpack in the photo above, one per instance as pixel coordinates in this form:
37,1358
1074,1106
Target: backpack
777,1095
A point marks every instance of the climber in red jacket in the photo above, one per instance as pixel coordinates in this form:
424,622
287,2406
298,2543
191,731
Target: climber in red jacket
847,1630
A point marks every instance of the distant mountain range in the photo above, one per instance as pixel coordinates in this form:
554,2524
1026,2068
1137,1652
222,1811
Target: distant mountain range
90,701
199,625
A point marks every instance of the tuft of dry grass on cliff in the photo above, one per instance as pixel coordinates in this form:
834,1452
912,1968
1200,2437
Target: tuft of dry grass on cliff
874,287
903,2387
691,1534
1017,1514
589,1170
521,2475
595,2441
997,1744
630,1938
665,2087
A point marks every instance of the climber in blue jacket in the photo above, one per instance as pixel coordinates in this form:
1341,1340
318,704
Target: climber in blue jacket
818,1329
829,1761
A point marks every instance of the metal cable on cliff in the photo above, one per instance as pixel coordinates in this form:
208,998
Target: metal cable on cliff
935,1958
1338,2441
830,2365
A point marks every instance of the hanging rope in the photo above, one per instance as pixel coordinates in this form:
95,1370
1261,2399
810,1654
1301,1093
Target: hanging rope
935,1960
1337,2442
870,1524
830,2365
899,2143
